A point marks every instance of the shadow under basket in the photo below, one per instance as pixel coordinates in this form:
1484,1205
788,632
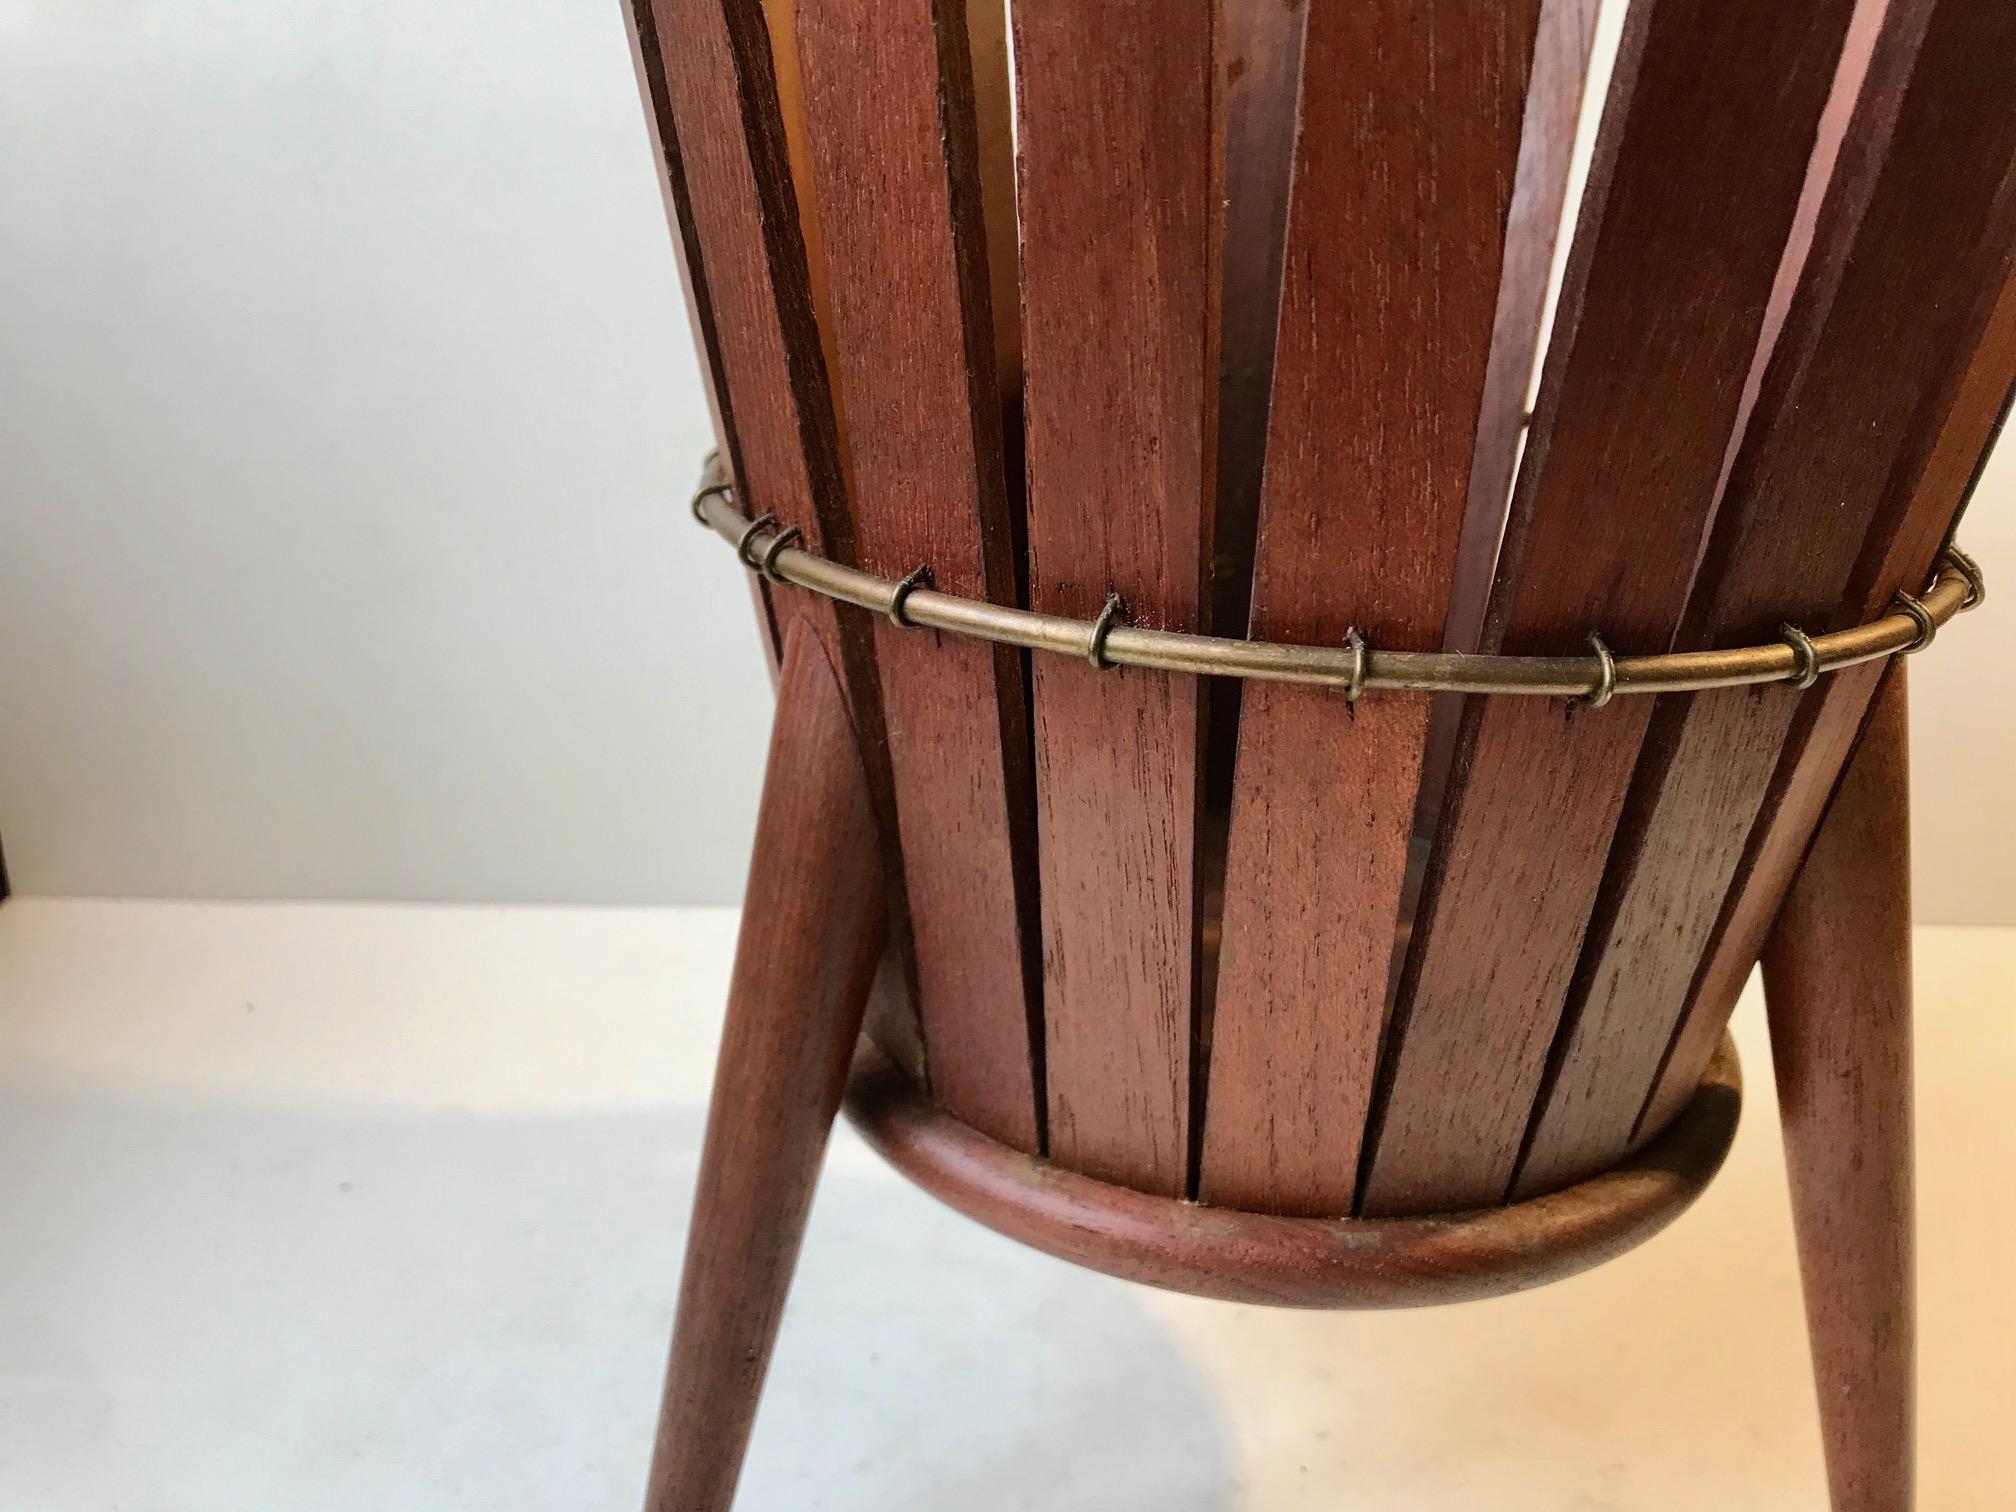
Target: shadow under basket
1238,1256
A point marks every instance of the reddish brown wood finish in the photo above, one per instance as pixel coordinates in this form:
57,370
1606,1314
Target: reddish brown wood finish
1826,728
1119,196
1405,156
994,168
1294,1262
1914,238
1263,75
720,106
888,94
811,934
1837,986
717,106
1546,150
648,60
1713,111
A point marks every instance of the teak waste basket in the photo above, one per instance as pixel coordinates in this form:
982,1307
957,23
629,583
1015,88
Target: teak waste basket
1293,824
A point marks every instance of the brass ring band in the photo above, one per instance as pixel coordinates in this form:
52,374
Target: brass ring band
1354,666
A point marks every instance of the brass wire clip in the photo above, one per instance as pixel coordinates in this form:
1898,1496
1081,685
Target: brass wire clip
1809,659
710,491
783,538
1109,641
1970,570
1606,677
1355,688
918,577
1921,616
1095,644
756,527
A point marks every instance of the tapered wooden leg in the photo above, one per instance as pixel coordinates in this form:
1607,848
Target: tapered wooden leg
1837,984
812,928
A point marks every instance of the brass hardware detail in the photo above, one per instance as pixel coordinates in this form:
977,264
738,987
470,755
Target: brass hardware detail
1354,667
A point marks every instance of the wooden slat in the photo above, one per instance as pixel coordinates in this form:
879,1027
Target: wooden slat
1713,112
1826,727
994,149
649,63
888,98
1546,152
1917,229
710,80
1263,71
718,117
1119,198
1405,159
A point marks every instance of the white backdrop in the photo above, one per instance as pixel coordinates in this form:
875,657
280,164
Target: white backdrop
347,411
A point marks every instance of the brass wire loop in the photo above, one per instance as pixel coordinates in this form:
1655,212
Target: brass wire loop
1095,644
918,577
756,527
1921,616
1355,688
1968,568
709,491
1606,676
1809,659
1354,667
768,566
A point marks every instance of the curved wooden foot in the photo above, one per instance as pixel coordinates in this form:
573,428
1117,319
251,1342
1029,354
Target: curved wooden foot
812,928
1837,985
1286,1261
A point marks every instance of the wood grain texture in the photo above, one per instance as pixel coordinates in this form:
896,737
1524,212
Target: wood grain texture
1826,728
1405,157
1912,243
1533,226
1712,116
810,938
1294,1262
1837,990
721,109
1263,85
888,95
647,58
993,97
712,77
1120,193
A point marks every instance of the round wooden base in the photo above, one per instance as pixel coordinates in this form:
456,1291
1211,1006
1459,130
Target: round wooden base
1296,1262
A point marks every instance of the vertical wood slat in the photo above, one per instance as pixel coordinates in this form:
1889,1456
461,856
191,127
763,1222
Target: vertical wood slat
1120,187
1263,73
719,115
1561,51
1827,726
1405,158
1910,248
710,82
1713,112
648,61
888,93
